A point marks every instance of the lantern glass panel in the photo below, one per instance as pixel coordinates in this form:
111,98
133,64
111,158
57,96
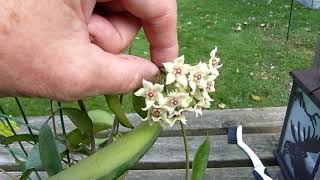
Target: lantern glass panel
300,147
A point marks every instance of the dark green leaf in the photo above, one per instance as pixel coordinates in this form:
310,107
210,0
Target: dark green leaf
138,104
101,120
75,137
18,138
115,106
33,161
200,161
48,150
79,119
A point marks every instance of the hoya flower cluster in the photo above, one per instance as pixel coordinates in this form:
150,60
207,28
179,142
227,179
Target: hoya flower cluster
186,89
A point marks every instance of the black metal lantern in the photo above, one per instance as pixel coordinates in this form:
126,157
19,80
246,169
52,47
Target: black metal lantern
298,153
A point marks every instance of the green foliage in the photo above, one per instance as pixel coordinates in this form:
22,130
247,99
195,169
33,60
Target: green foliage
75,137
200,161
33,160
101,120
18,138
124,154
115,106
138,104
48,151
79,119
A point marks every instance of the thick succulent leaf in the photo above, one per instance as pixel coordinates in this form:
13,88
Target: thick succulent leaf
48,150
18,138
101,120
79,119
124,154
115,106
138,104
200,161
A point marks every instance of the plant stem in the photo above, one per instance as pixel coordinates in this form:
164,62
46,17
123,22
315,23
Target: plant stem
64,131
186,148
93,143
53,118
24,117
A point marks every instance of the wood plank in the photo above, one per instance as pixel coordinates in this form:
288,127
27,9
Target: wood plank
239,173
215,122
168,152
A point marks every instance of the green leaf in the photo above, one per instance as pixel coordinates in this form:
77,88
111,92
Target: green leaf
75,137
115,159
18,138
48,150
115,106
123,176
79,119
138,104
101,120
33,160
200,161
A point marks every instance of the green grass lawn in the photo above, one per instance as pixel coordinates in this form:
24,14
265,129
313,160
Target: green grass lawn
256,60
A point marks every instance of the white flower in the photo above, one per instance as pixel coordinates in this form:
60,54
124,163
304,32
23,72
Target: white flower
214,60
157,113
210,83
177,100
152,93
197,76
177,71
200,105
171,121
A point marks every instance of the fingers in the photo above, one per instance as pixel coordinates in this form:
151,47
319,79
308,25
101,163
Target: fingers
92,71
159,18
113,33
118,74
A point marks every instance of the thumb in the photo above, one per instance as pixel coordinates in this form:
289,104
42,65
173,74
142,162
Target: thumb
116,74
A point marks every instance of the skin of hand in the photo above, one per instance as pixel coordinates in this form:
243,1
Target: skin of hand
63,50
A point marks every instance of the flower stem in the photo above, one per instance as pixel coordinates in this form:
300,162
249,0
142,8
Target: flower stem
186,148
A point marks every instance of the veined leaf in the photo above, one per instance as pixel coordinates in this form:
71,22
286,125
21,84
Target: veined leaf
138,104
101,120
79,119
48,150
200,161
115,106
18,138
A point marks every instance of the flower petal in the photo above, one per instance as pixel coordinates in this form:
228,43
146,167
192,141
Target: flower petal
183,80
146,84
157,88
170,78
149,103
168,66
140,92
179,60
213,52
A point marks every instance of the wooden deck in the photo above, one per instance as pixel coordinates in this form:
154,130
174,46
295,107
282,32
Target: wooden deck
165,160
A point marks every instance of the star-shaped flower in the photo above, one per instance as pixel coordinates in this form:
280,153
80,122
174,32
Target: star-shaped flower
176,71
197,76
200,105
214,61
157,113
171,121
177,100
152,93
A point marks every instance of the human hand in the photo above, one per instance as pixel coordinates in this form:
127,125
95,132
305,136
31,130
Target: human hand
62,50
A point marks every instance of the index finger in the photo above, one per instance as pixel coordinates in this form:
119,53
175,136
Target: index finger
159,20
